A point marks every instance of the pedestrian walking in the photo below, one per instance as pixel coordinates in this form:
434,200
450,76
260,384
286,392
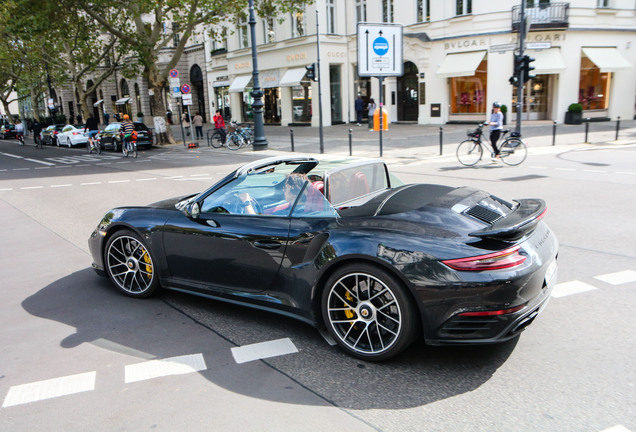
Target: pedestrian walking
359,106
371,107
197,121
185,119
496,125
106,118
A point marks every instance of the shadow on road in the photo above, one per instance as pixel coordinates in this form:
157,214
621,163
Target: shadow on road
173,324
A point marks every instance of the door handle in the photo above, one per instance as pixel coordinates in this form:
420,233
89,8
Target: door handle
267,244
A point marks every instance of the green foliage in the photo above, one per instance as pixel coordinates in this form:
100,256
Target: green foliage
575,108
504,109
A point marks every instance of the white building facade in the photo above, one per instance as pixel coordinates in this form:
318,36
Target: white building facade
458,58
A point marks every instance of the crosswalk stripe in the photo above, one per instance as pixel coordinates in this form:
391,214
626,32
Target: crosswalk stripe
617,428
263,350
164,367
569,288
51,388
618,278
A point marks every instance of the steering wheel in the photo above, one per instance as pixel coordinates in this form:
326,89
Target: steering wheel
238,207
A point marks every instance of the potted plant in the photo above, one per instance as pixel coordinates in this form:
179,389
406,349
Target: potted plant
574,114
140,117
504,110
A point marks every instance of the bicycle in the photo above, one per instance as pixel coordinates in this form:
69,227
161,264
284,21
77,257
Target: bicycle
239,136
20,138
216,138
512,150
94,144
38,141
129,146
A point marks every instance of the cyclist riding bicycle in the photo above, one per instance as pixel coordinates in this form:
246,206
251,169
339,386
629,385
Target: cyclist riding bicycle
93,129
127,127
19,130
496,125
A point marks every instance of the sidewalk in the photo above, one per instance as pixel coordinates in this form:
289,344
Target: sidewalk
411,142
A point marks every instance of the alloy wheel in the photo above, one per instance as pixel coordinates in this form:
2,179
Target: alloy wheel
130,266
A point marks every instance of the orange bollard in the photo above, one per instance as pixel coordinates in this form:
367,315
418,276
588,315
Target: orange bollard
376,119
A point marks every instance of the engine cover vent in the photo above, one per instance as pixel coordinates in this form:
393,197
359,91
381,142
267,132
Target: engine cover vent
483,213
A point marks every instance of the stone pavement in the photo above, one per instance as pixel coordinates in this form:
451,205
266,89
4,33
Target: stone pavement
409,143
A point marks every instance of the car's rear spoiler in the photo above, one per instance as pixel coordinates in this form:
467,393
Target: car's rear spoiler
521,221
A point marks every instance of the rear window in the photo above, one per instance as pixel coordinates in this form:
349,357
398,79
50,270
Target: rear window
140,127
113,127
351,182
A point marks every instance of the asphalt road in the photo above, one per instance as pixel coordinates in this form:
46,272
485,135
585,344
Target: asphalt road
65,330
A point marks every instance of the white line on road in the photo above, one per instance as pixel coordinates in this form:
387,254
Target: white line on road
61,185
119,181
20,169
617,428
618,278
595,171
263,350
6,189
12,155
626,172
41,168
164,367
39,161
31,187
147,179
569,288
90,183
172,177
47,389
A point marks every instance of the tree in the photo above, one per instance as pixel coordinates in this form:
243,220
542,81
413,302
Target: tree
148,28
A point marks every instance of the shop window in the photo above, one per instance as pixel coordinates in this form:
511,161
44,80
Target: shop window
387,11
242,33
331,16
269,35
361,10
423,10
298,24
301,102
593,86
468,94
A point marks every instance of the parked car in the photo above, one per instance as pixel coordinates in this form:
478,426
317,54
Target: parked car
72,135
7,130
111,137
343,245
49,135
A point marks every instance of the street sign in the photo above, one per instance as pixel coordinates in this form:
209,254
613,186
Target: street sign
538,45
185,88
380,49
174,73
187,99
502,47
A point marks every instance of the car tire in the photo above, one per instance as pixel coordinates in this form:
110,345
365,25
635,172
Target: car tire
130,265
68,143
368,312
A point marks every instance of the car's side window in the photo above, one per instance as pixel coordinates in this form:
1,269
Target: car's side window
312,202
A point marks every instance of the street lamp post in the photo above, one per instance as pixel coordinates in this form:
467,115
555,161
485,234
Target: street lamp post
260,142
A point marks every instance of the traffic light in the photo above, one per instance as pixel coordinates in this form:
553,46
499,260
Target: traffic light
311,71
527,68
515,79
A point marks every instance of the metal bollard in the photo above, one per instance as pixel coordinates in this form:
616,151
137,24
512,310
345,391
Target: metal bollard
618,125
350,141
291,134
554,132
587,128
441,139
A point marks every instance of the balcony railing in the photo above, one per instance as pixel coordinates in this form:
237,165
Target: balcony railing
548,16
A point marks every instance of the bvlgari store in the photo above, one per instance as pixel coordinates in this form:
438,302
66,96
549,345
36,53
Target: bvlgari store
567,70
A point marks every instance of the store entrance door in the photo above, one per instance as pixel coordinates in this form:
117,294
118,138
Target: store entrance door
407,93
272,105
536,94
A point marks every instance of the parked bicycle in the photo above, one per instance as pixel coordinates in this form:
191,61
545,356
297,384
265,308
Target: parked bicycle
239,136
216,138
512,150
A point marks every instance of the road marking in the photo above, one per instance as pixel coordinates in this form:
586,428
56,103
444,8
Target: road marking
41,168
618,278
61,185
31,187
90,183
118,181
6,189
12,155
263,350
617,428
147,179
569,288
566,169
199,175
40,162
173,177
595,171
164,367
48,389
626,172
20,169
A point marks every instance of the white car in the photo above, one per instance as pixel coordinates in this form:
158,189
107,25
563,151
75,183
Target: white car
72,135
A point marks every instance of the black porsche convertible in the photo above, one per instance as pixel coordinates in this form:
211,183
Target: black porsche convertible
352,249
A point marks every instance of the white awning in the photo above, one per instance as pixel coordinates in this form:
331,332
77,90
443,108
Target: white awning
239,83
122,101
98,102
607,59
548,61
293,77
460,64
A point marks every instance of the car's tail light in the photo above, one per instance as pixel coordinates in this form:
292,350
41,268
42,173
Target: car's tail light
494,312
493,261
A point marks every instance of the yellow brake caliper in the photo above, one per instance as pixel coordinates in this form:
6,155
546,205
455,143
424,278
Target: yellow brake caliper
148,264
349,313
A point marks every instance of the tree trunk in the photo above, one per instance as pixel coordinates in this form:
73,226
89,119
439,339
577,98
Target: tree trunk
156,102
7,111
34,104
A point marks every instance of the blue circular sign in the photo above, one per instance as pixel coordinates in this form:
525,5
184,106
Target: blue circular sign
380,46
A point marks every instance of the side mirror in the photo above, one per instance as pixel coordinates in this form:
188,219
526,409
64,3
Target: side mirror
193,210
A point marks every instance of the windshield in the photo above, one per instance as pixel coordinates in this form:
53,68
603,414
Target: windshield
113,127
